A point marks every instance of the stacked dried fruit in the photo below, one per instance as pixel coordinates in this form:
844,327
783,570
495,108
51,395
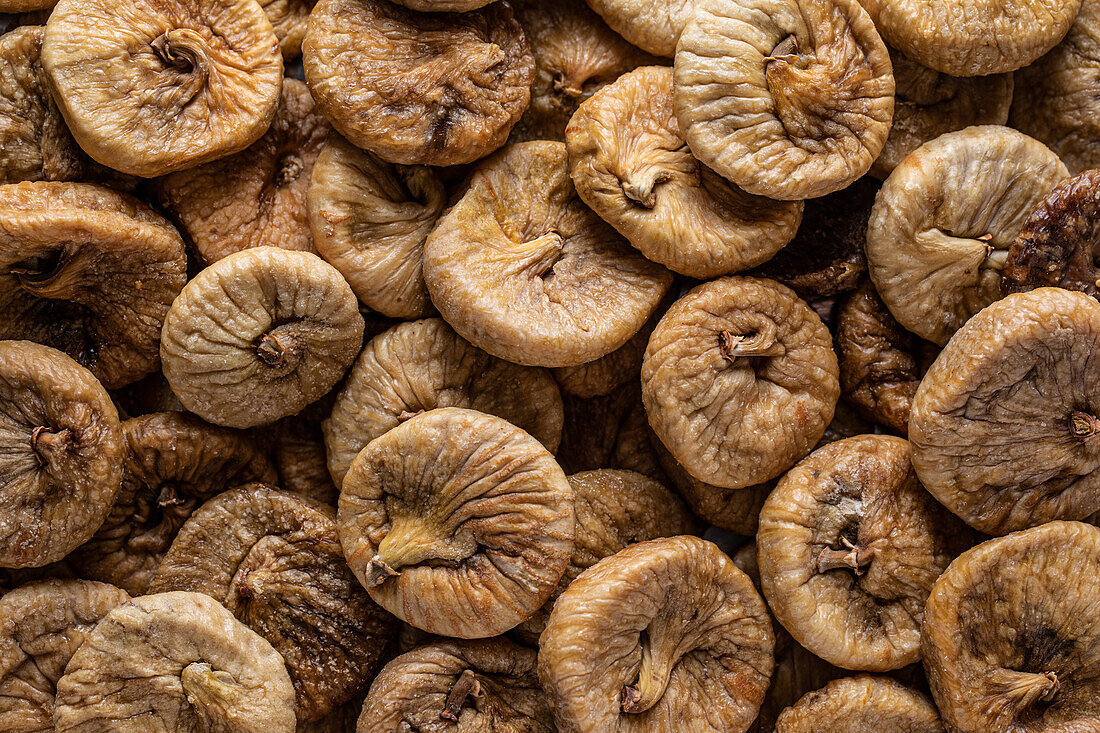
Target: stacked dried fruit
514,366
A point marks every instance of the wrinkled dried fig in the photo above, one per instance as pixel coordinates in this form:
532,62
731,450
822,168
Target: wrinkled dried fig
419,366
259,335
418,88
654,26
789,99
154,86
523,269
1012,632
610,431
1004,425
174,662
90,272
457,522
944,220
298,450
290,18
861,704
25,6
444,6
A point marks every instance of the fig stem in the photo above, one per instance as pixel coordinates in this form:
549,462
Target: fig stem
271,350
1027,688
855,558
643,192
465,686
378,572
630,698
760,343
407,415
1083,425
46,442
783,50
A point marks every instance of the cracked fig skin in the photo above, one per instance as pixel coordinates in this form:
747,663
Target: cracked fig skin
663,632
1004,425
457,522
861,704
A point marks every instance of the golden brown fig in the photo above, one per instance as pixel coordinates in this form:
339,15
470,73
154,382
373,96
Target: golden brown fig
290,19
174,662
154,86
523,269
632,166
90,272
1004,426
259,335
861,704
457,522
654,26
25,6
1012,632
258,196
418,88
940,228
790,99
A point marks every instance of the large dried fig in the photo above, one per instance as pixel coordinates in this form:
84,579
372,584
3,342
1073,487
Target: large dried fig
663,632
861,704
174,662
790,99
414,367
60,454
739,381
153,86
418,87
1004,425
1011,633
941,225
654,26
90,272
259,335
457,522
523,269
631,165
173,462
290,19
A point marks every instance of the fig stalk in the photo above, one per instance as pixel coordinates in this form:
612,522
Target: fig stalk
466,685
46,442
1083,425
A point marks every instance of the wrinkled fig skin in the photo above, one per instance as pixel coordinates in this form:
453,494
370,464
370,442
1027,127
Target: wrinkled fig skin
420,366
739,381
418,88
258,196
90,272
790,99
630,163
663,632
444,6
523,269
290,19
60,454
1011,633
25,6
11,578
174,662
212,69
456,686
298,451
861,704
457,522
939,233
849,546
173,462
1059,245
1004,425
973,37
370,219
652,26
259,335
274,560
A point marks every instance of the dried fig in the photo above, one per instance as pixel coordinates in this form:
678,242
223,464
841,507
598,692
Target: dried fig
146,396
610,431
1003,425
259,335
61,462
370,219
789,99
154,86
444,6
739,381
488,685
631,165
415,367
523,269
174,662
298,449
172,463
258,196
290,18
653,26
861,704
418,88
457,522
663,632
1010,633
25,6
88,271
941,225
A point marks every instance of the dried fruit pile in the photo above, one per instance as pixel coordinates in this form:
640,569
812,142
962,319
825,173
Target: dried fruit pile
550,366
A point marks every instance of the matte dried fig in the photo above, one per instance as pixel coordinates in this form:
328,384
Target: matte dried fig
941,225
789,99
259,335
290,19
861,704
654,26
523,269
457,522
153,86
418,88
1003,425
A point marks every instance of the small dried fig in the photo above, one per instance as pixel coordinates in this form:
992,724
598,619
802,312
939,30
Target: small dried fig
654,26
444,6
290,19
861,704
